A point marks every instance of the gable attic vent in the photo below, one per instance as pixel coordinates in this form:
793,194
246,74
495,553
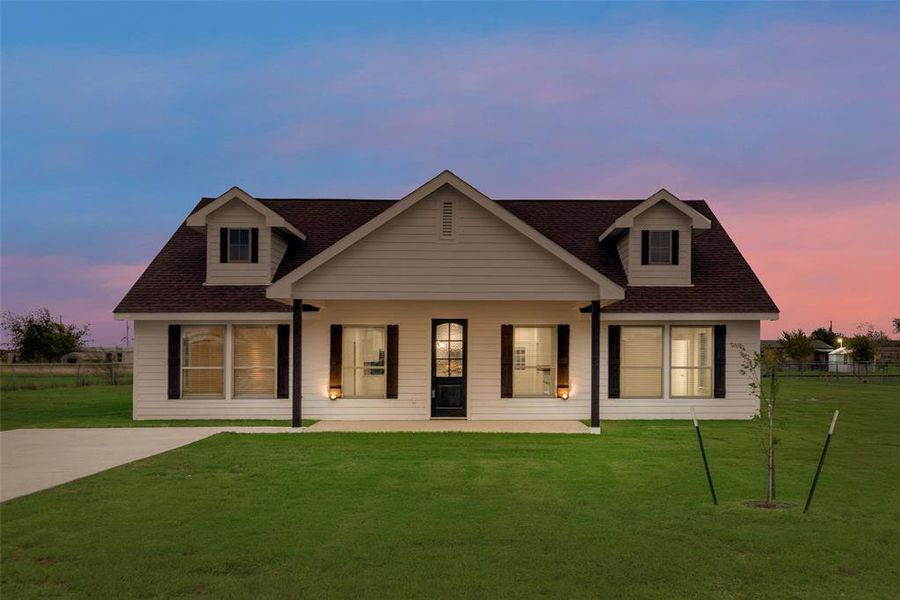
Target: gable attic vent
447,220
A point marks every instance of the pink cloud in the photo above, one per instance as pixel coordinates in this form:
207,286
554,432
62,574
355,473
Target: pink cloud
77,290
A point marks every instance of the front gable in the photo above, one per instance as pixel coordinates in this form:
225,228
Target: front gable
449,243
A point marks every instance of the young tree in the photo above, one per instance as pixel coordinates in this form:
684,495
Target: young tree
797,345
755,366
37,337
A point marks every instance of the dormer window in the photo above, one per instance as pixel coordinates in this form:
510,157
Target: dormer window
238,245
659,247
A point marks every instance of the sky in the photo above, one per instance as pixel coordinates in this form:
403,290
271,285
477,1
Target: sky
116,118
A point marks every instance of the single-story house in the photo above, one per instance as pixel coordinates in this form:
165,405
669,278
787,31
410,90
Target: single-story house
95,354
819,354
445,304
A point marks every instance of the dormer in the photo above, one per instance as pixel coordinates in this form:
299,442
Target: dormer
245,239
654,240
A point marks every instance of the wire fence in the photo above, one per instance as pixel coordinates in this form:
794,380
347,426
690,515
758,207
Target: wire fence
876,371
38,376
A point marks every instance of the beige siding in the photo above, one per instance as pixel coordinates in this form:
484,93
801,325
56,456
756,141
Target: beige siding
406,258
662,216
623,246
279,247
237,214
414,320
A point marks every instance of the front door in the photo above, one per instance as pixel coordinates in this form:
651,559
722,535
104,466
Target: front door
448,367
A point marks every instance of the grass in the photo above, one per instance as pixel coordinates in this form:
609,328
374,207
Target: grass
11,381
624,514
92,406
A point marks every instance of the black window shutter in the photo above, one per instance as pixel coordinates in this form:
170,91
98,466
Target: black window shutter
393,352
223,244
562,357
719,361
254,245
615,341
283,360
334,373
174,361
674,246
645,247
506,361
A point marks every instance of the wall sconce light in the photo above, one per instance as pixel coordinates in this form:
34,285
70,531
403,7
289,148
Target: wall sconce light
334,393
562,392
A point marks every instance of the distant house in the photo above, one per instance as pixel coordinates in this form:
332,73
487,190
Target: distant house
819,355
840,360
95,354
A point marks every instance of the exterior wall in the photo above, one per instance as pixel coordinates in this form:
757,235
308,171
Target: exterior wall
662,216
414,378
237,214
406,258
624,248
279,247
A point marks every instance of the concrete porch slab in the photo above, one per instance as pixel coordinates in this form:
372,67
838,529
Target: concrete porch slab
452,425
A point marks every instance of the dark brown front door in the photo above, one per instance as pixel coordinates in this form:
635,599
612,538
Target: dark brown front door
448,367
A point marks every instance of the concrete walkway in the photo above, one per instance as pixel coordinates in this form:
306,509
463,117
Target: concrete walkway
453,425
36,459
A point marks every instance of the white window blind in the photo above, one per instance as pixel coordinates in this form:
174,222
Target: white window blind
660,247
534,375
691,355
641,362
203,361
255,358
363,362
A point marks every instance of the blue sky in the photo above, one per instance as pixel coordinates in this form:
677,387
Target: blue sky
116,118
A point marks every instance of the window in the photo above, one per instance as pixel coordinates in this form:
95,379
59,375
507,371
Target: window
255,350
534,373
362,362
660,247
641,362
203,361
238,245
691,354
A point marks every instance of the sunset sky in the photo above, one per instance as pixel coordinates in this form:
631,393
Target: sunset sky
116,118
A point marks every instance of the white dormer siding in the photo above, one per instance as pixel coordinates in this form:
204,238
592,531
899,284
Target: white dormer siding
236,215
660,217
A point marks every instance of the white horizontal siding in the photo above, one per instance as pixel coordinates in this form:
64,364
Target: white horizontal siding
407,259
414,377
236,214
660,217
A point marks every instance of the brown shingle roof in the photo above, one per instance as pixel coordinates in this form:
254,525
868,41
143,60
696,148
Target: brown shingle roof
723,281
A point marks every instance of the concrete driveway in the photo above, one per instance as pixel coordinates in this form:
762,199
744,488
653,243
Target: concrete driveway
36,459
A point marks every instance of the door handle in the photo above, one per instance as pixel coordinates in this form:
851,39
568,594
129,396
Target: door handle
432,393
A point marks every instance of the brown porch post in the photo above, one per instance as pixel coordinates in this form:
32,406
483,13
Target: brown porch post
595,363
297,363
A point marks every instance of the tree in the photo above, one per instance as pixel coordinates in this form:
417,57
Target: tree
826,335
755,365
896,324
797,345
37,337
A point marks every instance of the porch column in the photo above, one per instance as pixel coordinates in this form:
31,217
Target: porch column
296,367
595,364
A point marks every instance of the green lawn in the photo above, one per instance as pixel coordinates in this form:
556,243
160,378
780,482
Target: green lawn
623,515
91,406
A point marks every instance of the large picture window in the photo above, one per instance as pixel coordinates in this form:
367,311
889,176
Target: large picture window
254,358
642,362
534,372
691,356
203,361
363,365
